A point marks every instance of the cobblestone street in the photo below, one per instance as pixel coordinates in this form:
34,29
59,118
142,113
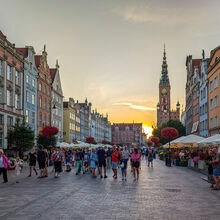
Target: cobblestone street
161,193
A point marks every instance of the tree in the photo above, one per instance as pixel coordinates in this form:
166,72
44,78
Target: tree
21,137
46,142
171,123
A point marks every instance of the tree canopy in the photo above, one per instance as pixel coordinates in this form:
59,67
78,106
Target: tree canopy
171,123
46,142
21,137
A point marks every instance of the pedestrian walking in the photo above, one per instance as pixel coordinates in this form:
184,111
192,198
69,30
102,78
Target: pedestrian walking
124,162
79,162
216,168
68,160
93,162
4,164
136,158
115,160
109,158
150,158
86,161
18,166
41,157
102,154
58,159
32,158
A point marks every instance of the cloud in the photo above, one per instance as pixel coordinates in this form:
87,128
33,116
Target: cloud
135,106
169,14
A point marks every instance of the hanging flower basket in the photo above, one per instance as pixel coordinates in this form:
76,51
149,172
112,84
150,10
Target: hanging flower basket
155,140
49,131
104,142
169,133
90,140
149,143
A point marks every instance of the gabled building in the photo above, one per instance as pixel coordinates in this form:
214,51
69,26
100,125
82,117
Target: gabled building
11,87
203,98
57,101
214,91
69,121
44,91
30,87
193,67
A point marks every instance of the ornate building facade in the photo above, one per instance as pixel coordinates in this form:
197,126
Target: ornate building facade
57,101
44,94
30,87
11,87
164,112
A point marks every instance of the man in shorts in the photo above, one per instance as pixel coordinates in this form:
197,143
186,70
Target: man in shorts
216,168
102,154
115,159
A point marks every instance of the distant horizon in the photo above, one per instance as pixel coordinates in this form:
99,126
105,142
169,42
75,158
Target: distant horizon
111,52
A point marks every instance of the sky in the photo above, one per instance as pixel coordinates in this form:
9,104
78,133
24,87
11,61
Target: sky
111,51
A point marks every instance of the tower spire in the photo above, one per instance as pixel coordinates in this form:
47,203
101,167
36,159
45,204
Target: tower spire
164,80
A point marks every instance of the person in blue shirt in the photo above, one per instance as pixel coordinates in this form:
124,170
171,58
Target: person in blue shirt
93,162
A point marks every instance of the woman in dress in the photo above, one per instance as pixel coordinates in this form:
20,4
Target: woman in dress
32,157
93,162
136,158
4,164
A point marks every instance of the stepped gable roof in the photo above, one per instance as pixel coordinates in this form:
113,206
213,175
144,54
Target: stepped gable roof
196,62
1,34
52,74
23,51
37,60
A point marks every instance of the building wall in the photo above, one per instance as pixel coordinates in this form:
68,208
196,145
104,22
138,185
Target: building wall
44,93
203,100
11,93
30,90
214,92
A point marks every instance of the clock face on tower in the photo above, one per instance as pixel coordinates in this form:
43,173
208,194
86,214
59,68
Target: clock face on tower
164,91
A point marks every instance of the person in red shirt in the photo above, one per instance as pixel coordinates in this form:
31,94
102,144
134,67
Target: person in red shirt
114,162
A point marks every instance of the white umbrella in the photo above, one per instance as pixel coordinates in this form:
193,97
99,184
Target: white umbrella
213,140
191,139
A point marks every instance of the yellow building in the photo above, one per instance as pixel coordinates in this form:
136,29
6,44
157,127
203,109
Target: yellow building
69,122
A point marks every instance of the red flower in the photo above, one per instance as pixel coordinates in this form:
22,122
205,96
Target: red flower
104,142
169,133
149,143
155,140
49,131
90,140
112,143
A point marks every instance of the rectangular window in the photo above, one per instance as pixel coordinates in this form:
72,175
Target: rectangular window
17,78
9,73
40,119
211,123
211,104
40,87
33,118
45,104
216,82
40,102
27,79
49,107
27,116
17,101
33,99
216,101
9,97
1,68
49,121
210,89
9,121
1,119
33,83
45,120
216,121
1,95
28,96
1,140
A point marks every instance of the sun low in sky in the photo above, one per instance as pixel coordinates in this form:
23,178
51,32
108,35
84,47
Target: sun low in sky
148,131
111,51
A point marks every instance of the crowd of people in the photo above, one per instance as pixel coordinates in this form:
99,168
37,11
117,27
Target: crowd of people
93,161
